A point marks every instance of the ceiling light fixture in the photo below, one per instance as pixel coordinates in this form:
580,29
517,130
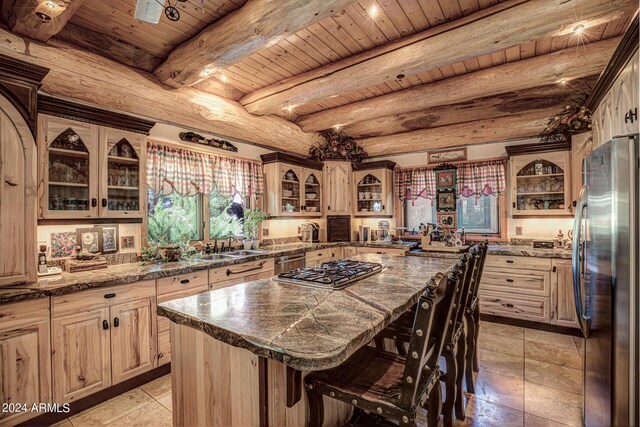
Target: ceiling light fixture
206,72
50,5
563,82
223,78
579,29
337,127
289,108
373,11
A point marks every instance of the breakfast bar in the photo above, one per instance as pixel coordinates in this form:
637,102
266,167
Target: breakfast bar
240,353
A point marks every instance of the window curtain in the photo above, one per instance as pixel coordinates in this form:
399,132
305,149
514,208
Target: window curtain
189,172
473,179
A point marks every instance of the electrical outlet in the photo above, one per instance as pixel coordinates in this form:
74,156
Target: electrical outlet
519,231
265,232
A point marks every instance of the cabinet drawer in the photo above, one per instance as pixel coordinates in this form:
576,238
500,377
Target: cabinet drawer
238,280
163,322
100,298
517,262
525,282
320,254
169,285
526,308
164,347
233,272
381,251
25,312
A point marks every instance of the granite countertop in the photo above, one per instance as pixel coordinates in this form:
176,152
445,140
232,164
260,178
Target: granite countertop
133,272
307,328
510,250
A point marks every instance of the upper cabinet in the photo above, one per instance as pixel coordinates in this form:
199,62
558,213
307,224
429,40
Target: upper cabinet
373,191
293,186
540,182
337,181
89,171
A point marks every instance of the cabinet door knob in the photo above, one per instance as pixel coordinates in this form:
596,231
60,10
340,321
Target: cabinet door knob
94,202
116,322
555,269
105,325
81,378
104,203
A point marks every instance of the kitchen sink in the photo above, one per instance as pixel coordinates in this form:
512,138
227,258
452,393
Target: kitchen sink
246,253
212,257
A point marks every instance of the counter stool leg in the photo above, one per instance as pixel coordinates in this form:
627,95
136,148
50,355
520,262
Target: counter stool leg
434,406
450,387
476,321
316,407
460,360
468,366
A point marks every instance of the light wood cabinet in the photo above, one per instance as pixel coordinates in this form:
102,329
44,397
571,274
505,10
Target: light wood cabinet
89,171
235,274
349,251
293,186
17,198
315,258
581,147
25,356
541,184
102,337
381,251
373,189
337,177
562,297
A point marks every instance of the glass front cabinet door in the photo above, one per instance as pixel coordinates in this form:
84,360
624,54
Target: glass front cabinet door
121,173
373,194
290,190
68,168
541,184
312,192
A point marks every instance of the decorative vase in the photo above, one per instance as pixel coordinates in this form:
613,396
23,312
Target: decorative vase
248,243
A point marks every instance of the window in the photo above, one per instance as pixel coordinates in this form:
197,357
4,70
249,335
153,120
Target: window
173,218
477,216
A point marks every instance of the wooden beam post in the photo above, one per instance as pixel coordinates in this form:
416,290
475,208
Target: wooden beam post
513,76
39,19
479,132
258,24
510,25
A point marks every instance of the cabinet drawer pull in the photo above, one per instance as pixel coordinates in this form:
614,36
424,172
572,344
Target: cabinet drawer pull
10,183
81,378
104,203
510,280
554,269
184,281
246,270
380,253
94,202
160,355
507,305
509,261
108,296
105,325
116,322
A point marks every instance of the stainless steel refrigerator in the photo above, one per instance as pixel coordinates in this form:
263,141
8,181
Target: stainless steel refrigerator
605,279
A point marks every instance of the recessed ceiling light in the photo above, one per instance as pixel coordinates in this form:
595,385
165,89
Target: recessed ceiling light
579,29
563,82
43,17
373,11
50,5
223,78
206,72
337,127
289,108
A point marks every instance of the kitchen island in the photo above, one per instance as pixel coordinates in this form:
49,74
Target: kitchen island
240,353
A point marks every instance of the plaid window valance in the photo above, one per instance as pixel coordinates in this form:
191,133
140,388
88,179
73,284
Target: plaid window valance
189,172
473,179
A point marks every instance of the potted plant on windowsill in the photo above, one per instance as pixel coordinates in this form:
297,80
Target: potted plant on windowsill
252,220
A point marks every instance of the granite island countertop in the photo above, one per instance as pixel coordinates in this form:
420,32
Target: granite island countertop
120,274
307,328
509,250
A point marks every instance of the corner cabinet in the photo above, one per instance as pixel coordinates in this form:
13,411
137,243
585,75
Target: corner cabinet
293,186
89,171
373,189
337,180
541,183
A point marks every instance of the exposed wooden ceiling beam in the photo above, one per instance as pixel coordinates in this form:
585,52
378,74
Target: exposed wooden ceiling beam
500,105
479,132
510,25
528,73
91,78
39,19
258,24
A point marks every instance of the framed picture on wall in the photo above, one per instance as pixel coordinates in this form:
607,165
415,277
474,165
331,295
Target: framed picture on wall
109,235
446,201
445,179
447,220
89,239
452,155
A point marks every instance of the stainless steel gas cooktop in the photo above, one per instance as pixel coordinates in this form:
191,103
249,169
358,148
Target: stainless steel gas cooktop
336,274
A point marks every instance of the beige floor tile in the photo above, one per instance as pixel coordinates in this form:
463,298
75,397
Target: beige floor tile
554,376
502,330
500,389
553,404
63,423
158,387
153,414
166,401
549,338
485,414
501,344
500,363
113,409
552,353
535,421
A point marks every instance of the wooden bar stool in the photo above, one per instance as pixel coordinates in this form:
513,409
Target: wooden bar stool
472,317
385,383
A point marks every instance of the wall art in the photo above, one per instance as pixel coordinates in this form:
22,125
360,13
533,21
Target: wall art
452,155
89,239
63,245
446,201
447,220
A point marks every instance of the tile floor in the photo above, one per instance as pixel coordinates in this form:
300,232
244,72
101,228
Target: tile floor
527,378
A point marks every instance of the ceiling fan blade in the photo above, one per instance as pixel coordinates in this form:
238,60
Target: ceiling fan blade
149,10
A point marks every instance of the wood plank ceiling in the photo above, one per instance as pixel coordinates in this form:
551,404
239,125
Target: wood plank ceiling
360,27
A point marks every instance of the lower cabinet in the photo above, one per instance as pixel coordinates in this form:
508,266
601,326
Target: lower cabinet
25,357
528,288
315,258
381,251
235,274
102,337
349,251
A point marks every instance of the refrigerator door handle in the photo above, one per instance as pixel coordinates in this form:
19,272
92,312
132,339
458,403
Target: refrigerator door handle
577,258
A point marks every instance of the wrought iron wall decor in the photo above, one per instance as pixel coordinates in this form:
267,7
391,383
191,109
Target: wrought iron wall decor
215,143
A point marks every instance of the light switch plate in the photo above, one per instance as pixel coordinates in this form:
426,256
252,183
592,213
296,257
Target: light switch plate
519,231
265,232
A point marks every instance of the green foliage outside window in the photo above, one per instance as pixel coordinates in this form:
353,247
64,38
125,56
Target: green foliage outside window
225,217
172,218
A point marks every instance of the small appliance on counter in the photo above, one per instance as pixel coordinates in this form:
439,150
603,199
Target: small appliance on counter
382,233
309,232
43,268
364,233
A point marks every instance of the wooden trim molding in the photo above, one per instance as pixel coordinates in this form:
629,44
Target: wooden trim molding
623,53
290,159
538,147
25,71
379,164
71,110
96,221
532,325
